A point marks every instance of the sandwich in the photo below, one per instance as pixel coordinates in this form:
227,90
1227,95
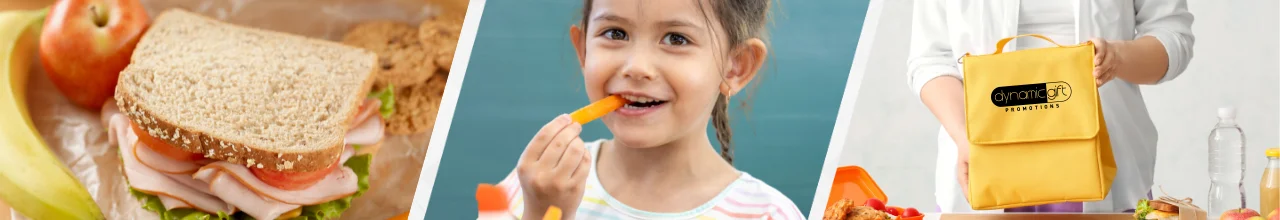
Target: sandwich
219,121
1155,210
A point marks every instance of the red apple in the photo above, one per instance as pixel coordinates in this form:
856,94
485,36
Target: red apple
1239,214
1275,214
86,43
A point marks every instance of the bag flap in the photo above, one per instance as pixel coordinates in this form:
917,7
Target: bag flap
1031,95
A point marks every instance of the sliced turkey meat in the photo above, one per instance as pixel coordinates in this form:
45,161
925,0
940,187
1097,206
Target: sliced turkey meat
110,110
171,203
187,180
340,183
367,130
368,108
147,180
118,126
347,153
158,162
242,197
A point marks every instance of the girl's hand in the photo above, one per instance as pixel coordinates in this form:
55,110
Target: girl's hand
1106,59
553,170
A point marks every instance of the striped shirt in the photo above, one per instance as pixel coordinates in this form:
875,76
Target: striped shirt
745,198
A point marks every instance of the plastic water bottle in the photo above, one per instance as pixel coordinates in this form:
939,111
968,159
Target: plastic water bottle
1226,164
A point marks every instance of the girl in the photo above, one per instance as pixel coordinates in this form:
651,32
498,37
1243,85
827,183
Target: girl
1136,43
677,62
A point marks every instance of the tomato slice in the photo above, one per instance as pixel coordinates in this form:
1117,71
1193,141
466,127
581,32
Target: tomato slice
291,180
164,148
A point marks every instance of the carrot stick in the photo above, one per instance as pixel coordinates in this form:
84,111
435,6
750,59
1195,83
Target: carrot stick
597,109
553,213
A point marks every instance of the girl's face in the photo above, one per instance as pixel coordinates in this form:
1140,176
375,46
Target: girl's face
667,57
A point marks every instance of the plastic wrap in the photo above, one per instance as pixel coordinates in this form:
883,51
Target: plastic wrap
77,136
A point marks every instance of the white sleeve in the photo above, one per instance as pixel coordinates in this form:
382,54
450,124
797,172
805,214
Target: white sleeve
930,55
1170,22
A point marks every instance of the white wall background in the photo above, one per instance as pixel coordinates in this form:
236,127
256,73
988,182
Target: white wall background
894,136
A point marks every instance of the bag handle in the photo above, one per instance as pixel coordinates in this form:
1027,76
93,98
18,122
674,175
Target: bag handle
1002,42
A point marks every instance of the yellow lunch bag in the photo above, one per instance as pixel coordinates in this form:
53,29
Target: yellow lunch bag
1035,128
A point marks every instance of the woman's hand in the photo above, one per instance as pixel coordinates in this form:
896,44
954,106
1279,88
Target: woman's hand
962,166
1139,61
1106,60
554,168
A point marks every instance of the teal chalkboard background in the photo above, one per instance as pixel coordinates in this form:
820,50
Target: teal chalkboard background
523,73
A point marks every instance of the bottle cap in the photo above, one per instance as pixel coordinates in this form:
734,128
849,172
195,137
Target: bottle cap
1227,112
490,198
1273,152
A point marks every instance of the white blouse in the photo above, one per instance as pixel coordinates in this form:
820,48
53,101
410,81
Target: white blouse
1046,18
944,30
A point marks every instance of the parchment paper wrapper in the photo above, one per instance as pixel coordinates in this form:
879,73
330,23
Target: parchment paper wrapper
1186,210
77,136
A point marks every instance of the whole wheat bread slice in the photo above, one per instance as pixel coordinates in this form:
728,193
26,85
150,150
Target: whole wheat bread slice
264,99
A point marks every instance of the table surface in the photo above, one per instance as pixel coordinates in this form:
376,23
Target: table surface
1042,216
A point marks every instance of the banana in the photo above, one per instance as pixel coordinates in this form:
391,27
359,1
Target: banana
32,180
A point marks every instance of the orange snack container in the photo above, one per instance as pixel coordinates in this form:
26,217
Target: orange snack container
853,182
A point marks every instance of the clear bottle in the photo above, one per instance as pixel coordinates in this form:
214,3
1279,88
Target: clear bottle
1269,189
1226,164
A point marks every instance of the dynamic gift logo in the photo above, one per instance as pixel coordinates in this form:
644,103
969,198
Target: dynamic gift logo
1031,94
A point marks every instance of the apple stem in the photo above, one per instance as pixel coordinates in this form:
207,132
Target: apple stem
99,15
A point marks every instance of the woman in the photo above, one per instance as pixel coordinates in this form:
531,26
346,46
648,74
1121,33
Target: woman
1137,43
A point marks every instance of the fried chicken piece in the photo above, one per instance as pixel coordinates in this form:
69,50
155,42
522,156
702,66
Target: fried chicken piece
868,213
839,210
848,210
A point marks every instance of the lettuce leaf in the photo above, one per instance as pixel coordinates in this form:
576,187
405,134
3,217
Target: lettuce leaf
1142,210
329,210
388,98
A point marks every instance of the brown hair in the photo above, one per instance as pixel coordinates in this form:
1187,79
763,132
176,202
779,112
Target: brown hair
741,20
